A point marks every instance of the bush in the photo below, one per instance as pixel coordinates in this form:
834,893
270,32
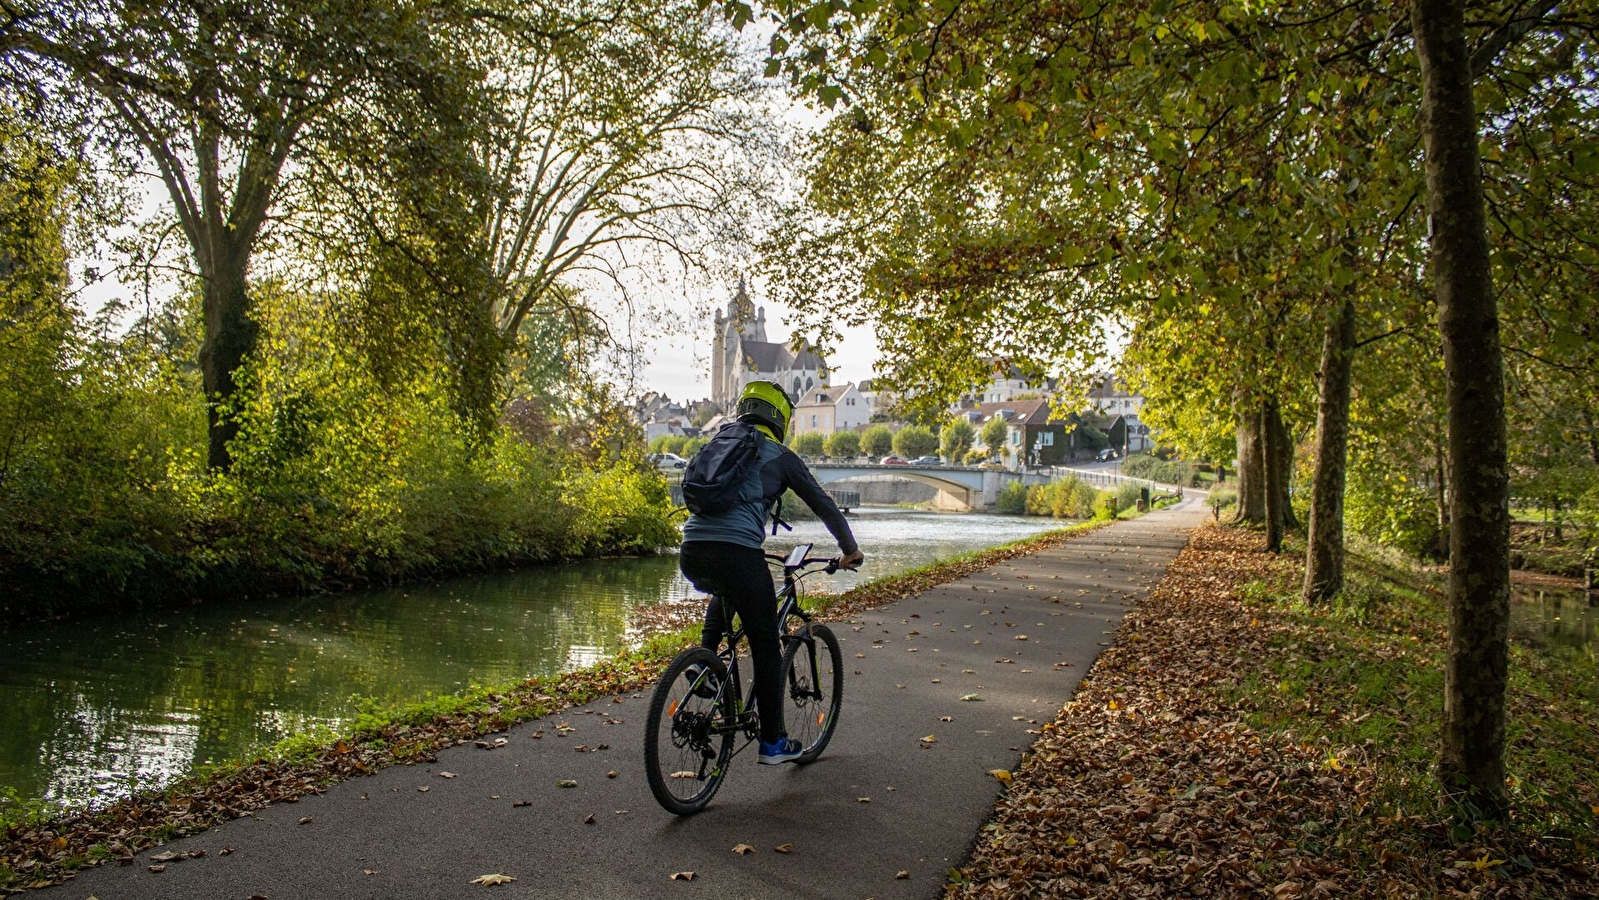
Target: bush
1013,499
913,441
337,479
976,456
1066,498
843,444
1143,465
877,441
1128,494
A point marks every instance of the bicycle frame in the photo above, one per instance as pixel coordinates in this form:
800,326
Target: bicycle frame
794,565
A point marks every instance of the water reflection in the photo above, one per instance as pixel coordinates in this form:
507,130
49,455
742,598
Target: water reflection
1560,617
95,706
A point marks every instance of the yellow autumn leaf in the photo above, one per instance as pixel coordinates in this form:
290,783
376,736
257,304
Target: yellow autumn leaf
1112,705
1002,776
1334,763
493,879
930,739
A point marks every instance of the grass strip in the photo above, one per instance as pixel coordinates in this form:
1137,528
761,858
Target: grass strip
1232,742
46,847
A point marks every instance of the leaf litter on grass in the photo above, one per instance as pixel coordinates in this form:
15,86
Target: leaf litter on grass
1152,783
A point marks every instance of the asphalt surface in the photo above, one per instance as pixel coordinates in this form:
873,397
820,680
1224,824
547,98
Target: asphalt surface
882,814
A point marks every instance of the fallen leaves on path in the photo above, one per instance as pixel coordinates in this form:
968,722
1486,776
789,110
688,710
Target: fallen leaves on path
1151,783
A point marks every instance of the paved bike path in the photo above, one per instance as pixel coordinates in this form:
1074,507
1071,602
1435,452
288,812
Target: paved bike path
881,801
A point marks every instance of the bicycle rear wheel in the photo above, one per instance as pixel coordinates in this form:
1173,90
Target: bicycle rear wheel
813,681
687,741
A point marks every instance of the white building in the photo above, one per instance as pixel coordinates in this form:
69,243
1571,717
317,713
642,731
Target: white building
826,410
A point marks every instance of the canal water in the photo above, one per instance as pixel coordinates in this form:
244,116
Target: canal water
94,707
1565,618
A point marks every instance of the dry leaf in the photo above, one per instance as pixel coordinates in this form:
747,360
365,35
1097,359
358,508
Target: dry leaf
930,739
743,849
863,799
566,783
970,697
448,775
423,789
589,820
682,876
493,879
1001,775
783,848
305,820
903,873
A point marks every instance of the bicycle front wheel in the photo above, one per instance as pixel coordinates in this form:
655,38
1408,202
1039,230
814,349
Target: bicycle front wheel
813,680
687,734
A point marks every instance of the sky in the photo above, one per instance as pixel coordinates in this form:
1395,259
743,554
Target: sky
679,365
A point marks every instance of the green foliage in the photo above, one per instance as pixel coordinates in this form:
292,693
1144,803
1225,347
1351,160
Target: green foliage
877,440
1012,499
973,457
994,435
112,504
810,443
1128,494
913,441
1065,498
956,439
1091,438
1144,465
843,444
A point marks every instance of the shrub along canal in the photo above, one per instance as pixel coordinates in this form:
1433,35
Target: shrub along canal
97,706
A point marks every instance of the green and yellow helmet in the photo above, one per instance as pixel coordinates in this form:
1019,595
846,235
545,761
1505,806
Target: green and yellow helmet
766,406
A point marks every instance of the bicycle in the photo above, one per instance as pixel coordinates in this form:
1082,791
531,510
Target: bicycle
693,720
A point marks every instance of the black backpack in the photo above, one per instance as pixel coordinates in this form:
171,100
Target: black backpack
715,476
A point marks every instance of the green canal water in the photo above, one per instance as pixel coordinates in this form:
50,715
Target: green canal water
94,707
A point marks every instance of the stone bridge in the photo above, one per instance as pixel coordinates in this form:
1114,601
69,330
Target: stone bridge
963,488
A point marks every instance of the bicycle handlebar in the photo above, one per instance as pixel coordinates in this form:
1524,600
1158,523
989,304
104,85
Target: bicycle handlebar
830,561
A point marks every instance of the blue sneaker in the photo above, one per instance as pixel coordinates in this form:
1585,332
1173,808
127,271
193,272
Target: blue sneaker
703,687
786,749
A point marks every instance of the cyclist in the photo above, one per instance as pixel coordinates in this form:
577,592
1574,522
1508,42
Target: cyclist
722,555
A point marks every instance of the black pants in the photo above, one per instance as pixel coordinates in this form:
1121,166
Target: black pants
739,576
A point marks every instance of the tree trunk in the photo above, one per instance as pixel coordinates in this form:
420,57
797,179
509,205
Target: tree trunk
1441,500
230,335
1324,555
1251,478
1283,447
1473,753
1275,475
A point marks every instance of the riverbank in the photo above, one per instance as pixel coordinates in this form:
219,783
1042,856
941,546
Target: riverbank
42,849
1231,742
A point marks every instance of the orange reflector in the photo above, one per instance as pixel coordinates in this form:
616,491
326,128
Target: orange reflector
820,716
672,711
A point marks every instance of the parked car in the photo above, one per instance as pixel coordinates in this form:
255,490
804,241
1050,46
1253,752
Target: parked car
927,461
668,461
892,460
1107,453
